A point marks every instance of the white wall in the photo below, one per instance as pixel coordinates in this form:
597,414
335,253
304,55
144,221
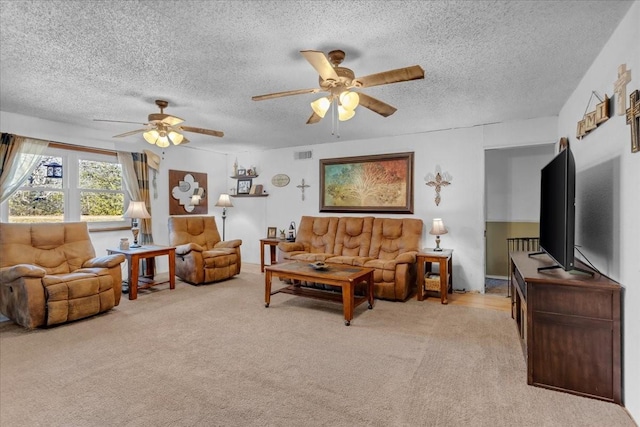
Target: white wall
607,188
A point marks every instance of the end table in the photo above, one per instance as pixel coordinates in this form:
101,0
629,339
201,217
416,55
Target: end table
272,242
444,259
134,255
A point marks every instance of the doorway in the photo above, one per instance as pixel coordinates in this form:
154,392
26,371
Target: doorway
512,205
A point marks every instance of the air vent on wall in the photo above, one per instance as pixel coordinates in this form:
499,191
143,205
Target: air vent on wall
302,155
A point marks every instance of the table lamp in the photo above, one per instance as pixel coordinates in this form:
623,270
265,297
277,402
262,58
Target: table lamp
135,211
224,202
438,229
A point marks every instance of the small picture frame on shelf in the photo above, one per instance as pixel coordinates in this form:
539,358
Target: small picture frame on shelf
244,185
271,232
242,172
250,172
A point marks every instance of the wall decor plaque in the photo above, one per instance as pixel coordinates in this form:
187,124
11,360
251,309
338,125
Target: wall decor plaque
187,193
280,180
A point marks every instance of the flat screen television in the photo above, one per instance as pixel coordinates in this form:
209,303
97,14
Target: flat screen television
557,210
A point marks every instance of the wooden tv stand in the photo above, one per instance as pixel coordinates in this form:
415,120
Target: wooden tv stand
569,327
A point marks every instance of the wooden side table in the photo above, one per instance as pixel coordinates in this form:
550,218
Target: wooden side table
134,255
273,244
444,259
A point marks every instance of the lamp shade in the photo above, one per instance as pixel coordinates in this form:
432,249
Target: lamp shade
136,209
438,228
344,114
224,201
349,100
321,105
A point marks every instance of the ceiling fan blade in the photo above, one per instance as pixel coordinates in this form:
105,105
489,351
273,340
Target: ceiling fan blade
172,120
133,132
314,118
281,94
202,131
392,76
118,121
319,61
376,105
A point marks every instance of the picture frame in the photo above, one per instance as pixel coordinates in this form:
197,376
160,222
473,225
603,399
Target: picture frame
242,172
185,189
272,232
380,183
244,185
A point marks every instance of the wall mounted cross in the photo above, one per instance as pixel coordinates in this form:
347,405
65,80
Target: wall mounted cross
302,187
620,89
633,119
438,183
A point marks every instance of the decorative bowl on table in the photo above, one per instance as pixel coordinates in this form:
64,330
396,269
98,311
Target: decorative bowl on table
319,265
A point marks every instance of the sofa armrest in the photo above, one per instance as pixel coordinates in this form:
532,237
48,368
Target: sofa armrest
229,244
104,261
9,274
290,246
188,247
406,258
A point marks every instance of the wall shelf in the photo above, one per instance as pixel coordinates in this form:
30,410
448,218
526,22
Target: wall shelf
249,195
244,176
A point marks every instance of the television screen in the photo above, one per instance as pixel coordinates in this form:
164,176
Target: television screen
557,209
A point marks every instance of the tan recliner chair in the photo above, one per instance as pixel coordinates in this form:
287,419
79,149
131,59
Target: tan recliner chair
201,257
49,274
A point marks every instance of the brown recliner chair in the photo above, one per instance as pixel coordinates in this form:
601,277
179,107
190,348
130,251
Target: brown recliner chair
201,256
49,274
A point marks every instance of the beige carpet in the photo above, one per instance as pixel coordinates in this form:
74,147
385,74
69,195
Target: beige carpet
215,356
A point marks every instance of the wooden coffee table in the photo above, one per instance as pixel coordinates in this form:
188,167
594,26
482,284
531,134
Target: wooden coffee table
344,276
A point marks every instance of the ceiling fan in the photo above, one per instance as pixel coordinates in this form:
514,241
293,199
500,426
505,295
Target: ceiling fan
161,128
339,81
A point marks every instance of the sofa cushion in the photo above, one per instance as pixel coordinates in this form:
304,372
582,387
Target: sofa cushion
353,237
359,261
317,234
310,257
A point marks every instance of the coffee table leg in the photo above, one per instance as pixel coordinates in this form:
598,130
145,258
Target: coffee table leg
347,302
267,288
370,289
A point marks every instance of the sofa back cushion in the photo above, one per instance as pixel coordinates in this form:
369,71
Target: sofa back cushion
394,236
317,234
201,230
56,247
353,237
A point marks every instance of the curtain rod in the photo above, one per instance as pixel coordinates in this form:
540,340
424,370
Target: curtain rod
64,145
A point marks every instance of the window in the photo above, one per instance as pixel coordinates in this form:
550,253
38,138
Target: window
90,189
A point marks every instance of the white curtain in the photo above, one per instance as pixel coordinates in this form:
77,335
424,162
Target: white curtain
129,176
24,154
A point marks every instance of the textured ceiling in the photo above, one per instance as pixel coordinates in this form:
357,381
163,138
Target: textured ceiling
484,62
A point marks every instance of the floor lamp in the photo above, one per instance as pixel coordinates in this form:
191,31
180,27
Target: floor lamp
224,202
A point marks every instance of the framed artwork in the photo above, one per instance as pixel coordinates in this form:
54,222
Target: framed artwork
242,172
187,193
244,185
378,184
271,232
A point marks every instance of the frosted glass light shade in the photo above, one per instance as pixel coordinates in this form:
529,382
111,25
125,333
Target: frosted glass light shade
344,114
175,137
321,105
151,136
349,100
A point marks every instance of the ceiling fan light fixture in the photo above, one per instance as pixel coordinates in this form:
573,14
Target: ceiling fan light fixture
163,141
344,114
320,106
349,100
151,136
175,137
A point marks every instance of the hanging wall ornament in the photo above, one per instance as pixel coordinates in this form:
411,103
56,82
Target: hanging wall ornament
593,119
633,119
438,182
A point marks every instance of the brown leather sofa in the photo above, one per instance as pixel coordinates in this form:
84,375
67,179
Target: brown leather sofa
49,274
389,245
201,256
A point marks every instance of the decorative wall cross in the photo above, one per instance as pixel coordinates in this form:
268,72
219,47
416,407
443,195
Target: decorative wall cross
302,187
620,89
438,183
633,119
